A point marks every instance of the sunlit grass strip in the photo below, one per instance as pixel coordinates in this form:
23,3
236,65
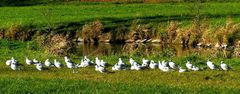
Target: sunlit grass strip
87,80
60,13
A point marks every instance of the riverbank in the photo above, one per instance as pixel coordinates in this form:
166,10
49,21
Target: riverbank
120,23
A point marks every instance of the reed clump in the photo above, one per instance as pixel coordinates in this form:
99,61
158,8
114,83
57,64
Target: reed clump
13,32
58,44
172,31
91,32
17,32
119,35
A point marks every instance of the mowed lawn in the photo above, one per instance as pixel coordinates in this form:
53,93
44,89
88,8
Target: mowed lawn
113,14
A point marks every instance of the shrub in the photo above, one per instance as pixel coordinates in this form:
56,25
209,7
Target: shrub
229,34
120,34
183,36
13,32
58,44
17,32
105,37
92,31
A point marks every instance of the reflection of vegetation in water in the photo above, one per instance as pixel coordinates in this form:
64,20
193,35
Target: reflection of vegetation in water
92,49
149,50
140,50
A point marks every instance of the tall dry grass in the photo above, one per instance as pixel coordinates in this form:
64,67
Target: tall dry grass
140,31
172,31
91,32
59,44
17,32
228,34
120,34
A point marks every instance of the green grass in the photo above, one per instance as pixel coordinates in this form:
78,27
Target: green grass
87,80
79,85
113,14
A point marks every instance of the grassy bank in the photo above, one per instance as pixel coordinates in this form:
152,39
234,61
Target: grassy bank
112,14
35,85
78,85
87,80
151,20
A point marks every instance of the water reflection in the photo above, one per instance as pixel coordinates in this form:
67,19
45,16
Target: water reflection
146,50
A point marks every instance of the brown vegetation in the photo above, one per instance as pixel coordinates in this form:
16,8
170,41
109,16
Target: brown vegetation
172,31
59,44
120,34
201,35
196,35
16,32
92,31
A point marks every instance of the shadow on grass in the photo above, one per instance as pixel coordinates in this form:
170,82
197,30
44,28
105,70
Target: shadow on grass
110,23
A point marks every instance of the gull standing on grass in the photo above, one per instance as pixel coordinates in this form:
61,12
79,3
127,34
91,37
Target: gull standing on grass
57,64
145,63
134,65
39,66
172,65
100,65
14,64
224,66
69,63
120,65
189,65
100,69
163,66
48,63
28,61
211,65
35,61
153,65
